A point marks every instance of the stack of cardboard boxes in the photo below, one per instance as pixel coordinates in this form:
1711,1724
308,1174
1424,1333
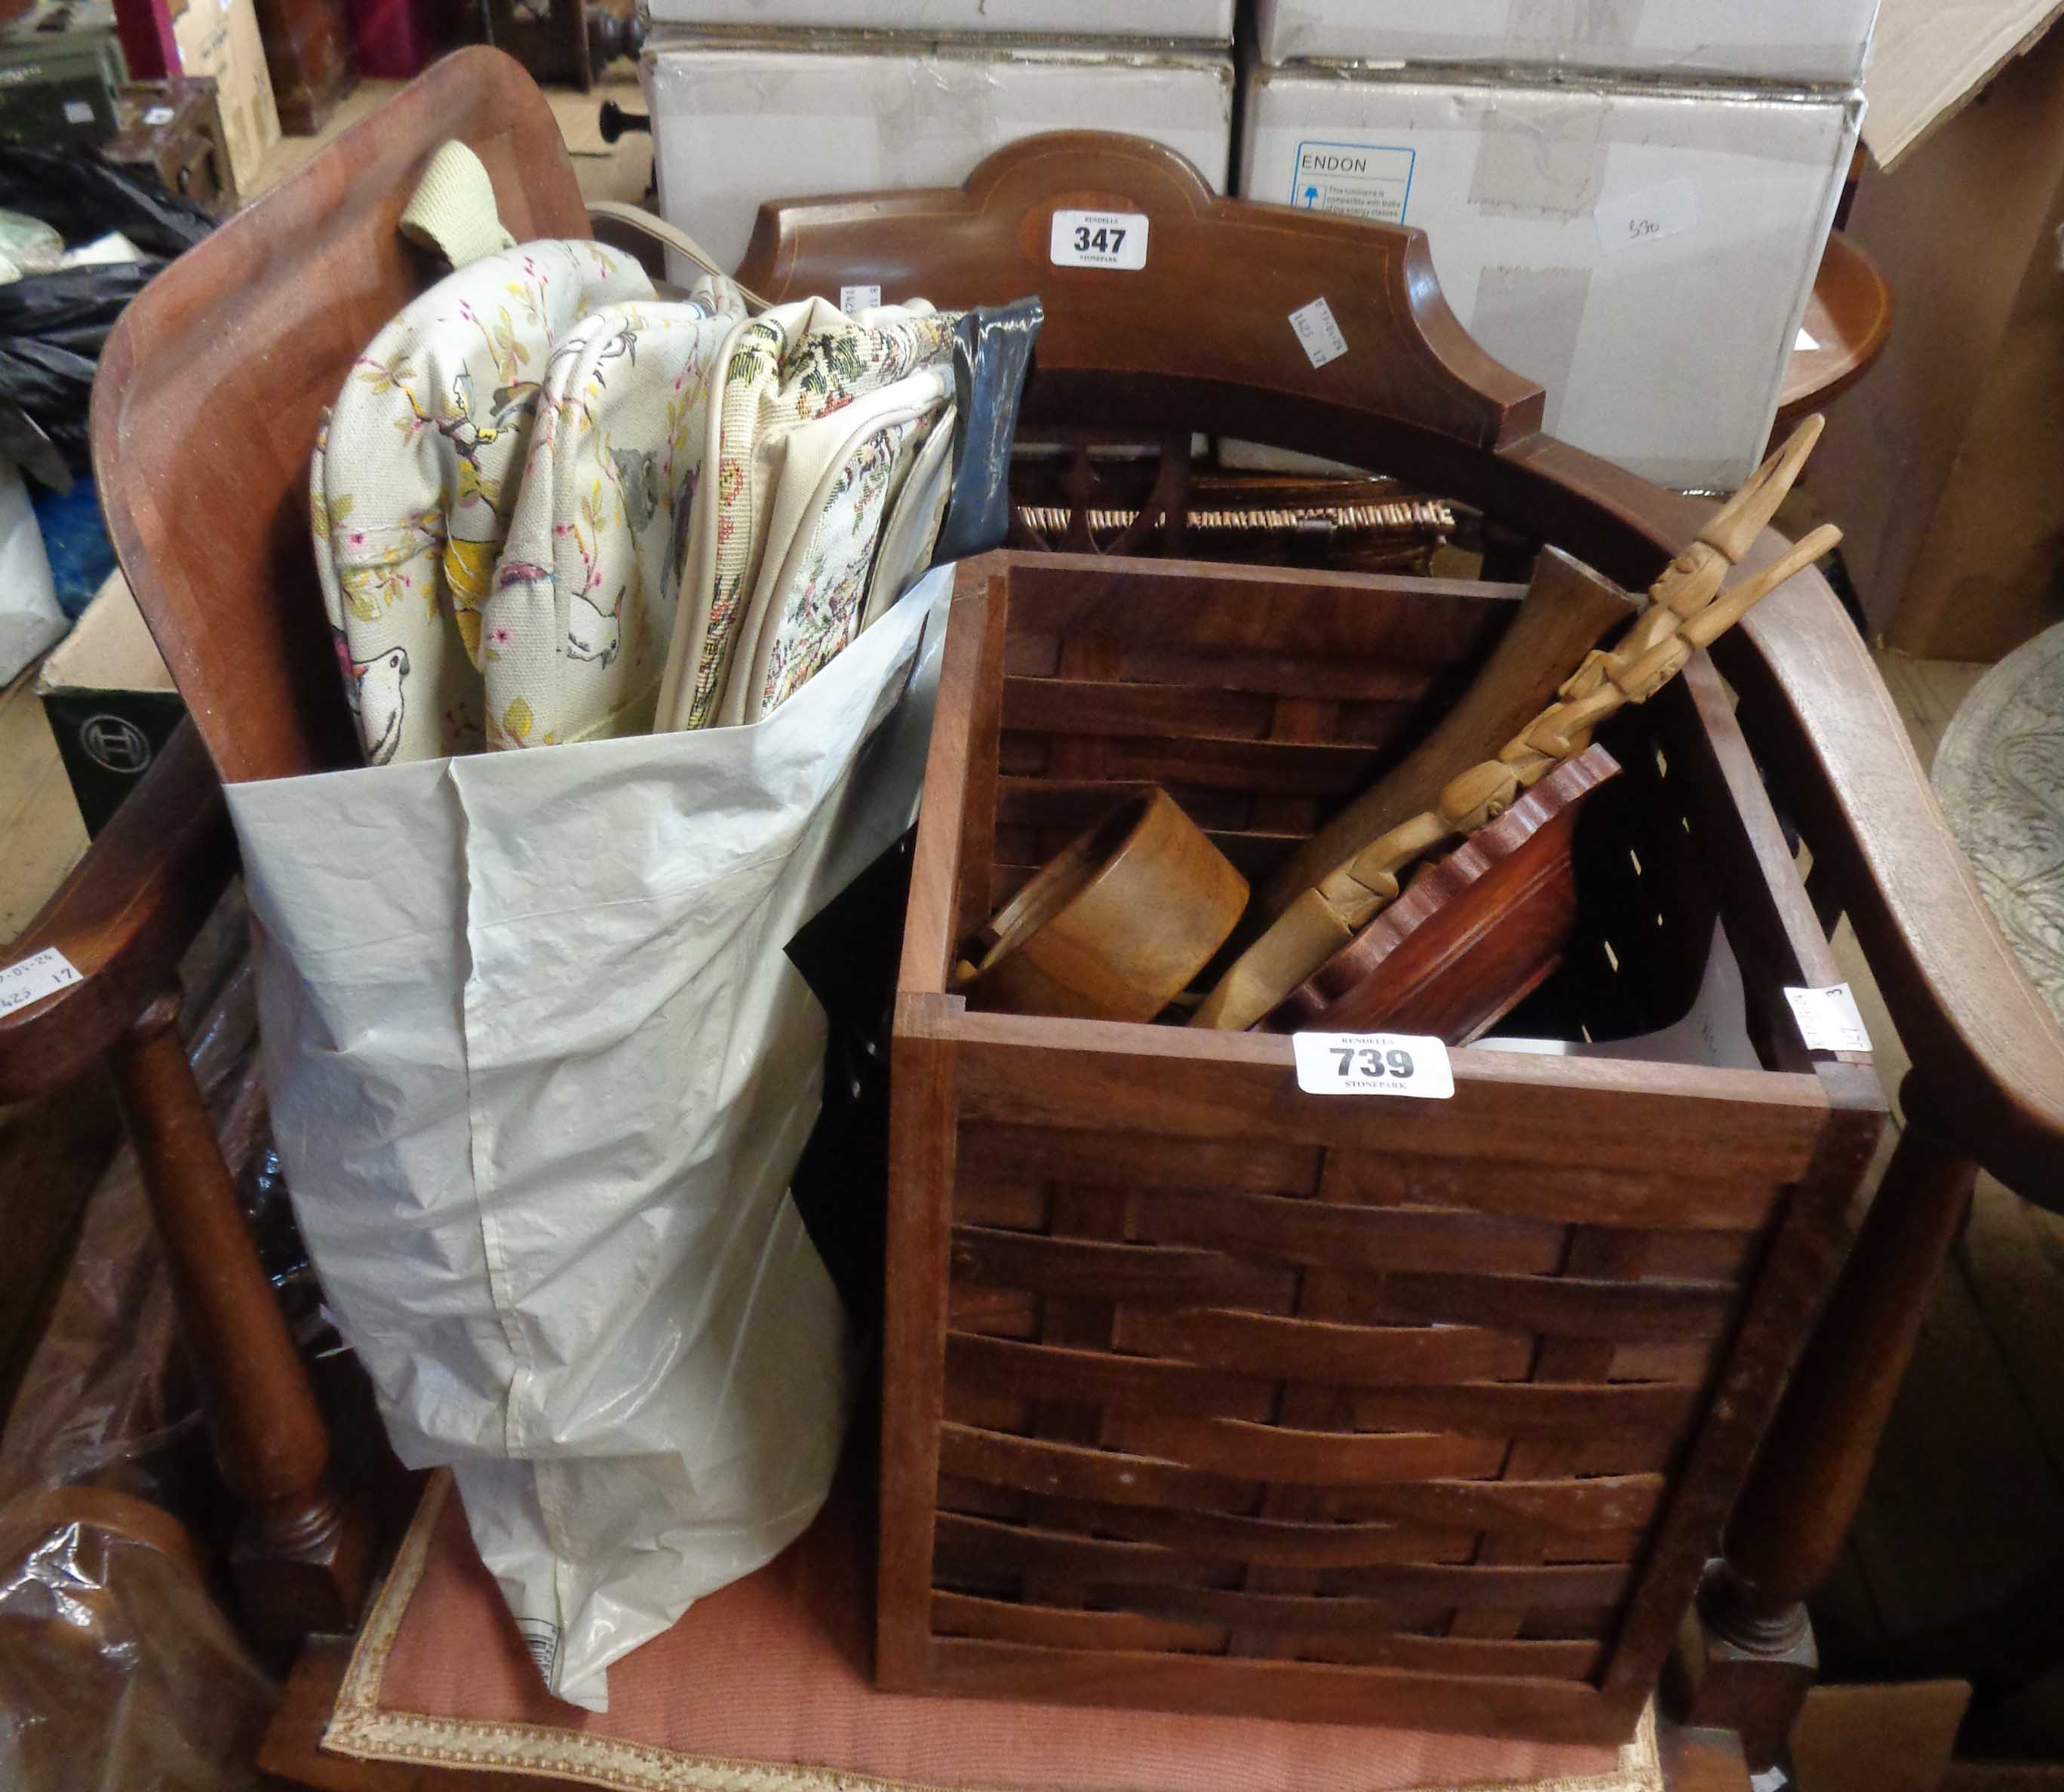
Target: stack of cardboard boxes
1626,202
758,99
1626,199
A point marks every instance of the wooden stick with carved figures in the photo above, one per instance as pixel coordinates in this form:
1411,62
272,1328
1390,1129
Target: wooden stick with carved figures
1687,608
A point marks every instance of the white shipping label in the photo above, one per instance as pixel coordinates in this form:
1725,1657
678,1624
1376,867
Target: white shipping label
858,298
34,978
1827,1019
1369,181
158,116
1099,239
78,111
1373,1064
1318,331
1627,220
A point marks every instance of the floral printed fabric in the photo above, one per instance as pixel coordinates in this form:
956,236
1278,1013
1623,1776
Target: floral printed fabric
784,370
817,565
584,593
414,477
510,513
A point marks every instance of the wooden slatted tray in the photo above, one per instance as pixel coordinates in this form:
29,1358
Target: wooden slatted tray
1205,1393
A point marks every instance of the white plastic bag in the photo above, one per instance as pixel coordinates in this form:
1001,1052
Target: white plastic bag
30,618
540,1073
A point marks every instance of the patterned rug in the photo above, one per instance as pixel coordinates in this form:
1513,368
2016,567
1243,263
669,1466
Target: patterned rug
763,1687
1999,775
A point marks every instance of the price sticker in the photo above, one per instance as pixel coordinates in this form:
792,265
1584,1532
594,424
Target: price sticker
1626,220
1099,239
1318,332
1827,1019
1373,1064
44,974
858,298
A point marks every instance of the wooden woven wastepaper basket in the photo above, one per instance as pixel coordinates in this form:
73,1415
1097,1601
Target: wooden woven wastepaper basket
1205,1393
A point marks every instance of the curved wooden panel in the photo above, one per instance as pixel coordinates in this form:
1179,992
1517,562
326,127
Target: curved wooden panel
213,381
1213,267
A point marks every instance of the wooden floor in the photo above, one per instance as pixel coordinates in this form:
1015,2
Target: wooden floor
1968,1500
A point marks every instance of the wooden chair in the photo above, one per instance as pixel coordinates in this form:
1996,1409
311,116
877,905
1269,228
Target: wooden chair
207,403
1201,338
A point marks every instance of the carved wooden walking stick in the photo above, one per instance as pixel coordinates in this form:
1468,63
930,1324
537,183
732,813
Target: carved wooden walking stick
1687,610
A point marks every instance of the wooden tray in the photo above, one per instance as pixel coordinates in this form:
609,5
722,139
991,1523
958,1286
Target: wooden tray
1206,1394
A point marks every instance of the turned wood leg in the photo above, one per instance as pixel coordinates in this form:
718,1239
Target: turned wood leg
301,1556
1751,1661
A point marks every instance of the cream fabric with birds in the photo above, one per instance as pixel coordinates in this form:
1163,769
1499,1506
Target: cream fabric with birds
584,596
549,506
414,477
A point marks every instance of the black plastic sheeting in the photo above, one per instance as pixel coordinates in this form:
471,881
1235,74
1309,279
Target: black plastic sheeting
53,326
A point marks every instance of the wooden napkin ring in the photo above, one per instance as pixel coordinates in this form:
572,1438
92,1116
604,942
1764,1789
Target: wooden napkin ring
1114,927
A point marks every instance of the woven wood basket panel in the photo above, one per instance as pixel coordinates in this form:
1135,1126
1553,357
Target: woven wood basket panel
1215,1394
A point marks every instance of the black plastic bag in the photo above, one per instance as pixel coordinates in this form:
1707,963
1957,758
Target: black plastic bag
52,329
82,197
53,326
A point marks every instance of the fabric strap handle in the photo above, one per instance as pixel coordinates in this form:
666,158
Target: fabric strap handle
636,217
452,209
453,212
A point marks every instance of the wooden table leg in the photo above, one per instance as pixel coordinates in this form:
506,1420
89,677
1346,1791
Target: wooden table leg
1750,1665
301,1556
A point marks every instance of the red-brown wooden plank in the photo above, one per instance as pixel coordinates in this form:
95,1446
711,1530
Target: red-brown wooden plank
1313,1458
1156,712
1332,1236
1591,1411
1310,1349
960,1614
1575,1506
1092,1270
1086,1157
1678,1197
1563,1710
1095,1377
1557,1305
1233,1537
1519,1113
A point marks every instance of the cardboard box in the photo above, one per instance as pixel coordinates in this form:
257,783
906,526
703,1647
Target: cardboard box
1800,42
218,39
1941,465
734,125
1930,59
1191,21
1645,253
109,700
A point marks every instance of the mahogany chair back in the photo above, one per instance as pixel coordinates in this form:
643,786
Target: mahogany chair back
1204,336
212,385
